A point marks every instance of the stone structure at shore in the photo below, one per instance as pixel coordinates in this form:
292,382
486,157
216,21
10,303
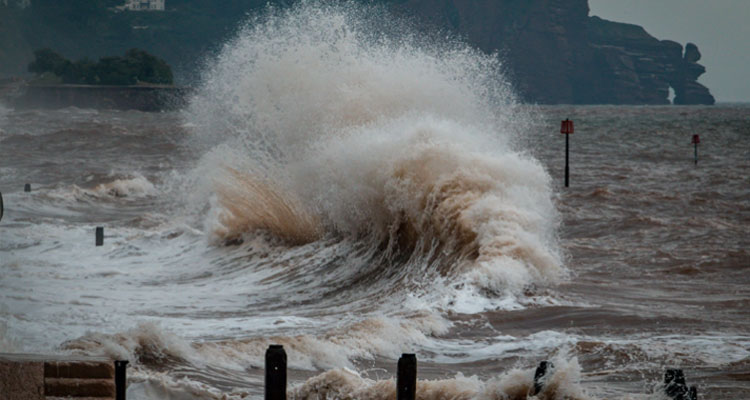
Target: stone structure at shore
142,98
36,377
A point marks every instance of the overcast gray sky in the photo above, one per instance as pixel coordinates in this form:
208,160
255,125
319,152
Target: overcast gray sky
720,28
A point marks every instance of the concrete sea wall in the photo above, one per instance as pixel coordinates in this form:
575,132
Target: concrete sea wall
143,98
36,377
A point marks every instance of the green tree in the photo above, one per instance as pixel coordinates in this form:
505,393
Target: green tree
115,71
149,68
136,66
80,72
46,60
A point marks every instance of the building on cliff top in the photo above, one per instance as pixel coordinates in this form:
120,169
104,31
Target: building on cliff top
144,5
17,3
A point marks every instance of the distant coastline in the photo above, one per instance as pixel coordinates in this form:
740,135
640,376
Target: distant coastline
552,52
136,97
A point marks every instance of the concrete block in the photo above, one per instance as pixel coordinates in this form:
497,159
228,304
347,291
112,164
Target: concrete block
70,387
21,381
79,369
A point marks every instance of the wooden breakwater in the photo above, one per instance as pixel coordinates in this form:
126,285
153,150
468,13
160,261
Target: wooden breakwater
100,97
38,377
45,377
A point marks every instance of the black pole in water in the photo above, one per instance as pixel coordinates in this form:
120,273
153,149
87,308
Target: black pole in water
674,384
406,377
275,372
696,154
99,235
567,152
121,381
1,206
541,371
27,187
696,140
567,129
693,393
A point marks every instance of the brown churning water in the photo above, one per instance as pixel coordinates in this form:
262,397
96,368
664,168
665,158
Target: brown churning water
352,195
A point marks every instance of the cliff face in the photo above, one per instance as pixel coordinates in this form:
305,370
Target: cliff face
556,53
553,50
637,68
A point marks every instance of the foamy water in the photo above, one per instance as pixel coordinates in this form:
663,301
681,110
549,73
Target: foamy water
352,190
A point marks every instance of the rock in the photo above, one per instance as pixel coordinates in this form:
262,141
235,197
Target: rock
692,54
693,93
685,79
554,52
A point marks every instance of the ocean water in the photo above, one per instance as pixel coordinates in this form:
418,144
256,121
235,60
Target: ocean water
353,195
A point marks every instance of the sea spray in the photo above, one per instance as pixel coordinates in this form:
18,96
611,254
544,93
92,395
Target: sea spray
382,175
516,384
155,350
360,133
226,303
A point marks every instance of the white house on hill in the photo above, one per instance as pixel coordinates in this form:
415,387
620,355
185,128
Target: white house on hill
18,3
144,5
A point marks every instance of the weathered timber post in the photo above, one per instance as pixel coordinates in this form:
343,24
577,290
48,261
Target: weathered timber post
121,381
541,371
99,235
275,372
406,377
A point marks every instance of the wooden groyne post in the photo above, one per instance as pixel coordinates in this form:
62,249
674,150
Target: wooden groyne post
539,376
676,388
99,235
121,380
275,372
406,377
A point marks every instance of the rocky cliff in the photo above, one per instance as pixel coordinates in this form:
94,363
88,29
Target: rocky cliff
553,50
556,53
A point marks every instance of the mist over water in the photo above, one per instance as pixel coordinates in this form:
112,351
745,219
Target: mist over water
351,189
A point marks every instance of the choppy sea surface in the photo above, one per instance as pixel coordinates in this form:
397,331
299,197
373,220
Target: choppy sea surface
354,196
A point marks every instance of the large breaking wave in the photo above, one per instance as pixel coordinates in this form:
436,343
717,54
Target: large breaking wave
327,121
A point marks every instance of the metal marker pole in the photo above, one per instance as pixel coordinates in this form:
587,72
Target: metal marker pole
567,149
696,140
566,128
696,153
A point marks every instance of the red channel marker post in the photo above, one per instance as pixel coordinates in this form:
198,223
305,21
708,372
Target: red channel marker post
567,130
696,140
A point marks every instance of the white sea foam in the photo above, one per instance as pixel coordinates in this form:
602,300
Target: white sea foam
323,127
377,187
131,187
327,127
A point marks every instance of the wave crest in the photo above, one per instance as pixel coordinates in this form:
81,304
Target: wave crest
322,126
248,204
